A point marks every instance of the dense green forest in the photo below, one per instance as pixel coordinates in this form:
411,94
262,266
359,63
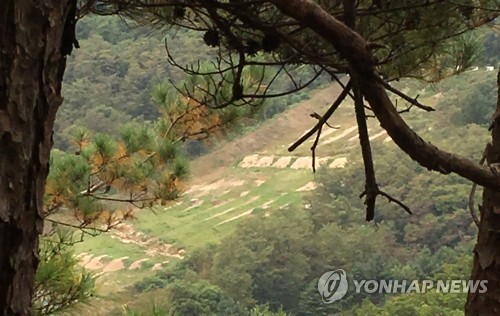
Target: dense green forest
269,265
111,80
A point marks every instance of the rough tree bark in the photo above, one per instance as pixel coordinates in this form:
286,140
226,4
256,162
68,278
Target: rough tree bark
487,249
35,36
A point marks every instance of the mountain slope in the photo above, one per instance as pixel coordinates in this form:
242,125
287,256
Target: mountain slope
251,175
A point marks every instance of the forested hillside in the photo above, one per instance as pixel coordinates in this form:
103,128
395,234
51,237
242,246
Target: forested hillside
234,261
226,230
279,248
249,157
111,80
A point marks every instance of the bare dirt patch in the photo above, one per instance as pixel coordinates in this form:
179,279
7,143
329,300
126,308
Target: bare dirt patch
253,199
220,214
338,163
266,205
263,206
137,264
203,189
84,258
302,163
157,266
236,217
196,203
378,135
273,133
115,265
282,162
322,161
265,161
355,137
249,161
258,183
95,263
308,187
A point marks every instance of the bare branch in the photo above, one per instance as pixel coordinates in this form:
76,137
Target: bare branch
472,209
313,149
323,119
405,97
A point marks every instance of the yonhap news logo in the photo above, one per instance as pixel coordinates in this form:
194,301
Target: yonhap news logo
333,286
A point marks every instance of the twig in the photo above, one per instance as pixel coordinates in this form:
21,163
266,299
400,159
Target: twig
377,191
323,119
313,149
413,101
83,229
472,209
318,117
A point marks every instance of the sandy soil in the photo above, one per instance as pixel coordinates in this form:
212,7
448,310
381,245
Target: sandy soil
378,135
282,162
249,161
338,163
137,264
95,263
203,189
308,187
114,265
302,163
265,161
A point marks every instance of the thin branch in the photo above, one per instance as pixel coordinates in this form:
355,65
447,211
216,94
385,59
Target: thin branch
93,188
82,228
472,209
318,117
323,119
402,95
390,198
372,189
130,200
313,149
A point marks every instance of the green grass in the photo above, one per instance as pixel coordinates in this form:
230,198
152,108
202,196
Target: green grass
193,228
104,244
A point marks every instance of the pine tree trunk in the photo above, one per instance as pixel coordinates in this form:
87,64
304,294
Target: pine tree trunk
33,43
487,250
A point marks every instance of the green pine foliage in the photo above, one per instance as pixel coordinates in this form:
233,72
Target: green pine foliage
60,281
